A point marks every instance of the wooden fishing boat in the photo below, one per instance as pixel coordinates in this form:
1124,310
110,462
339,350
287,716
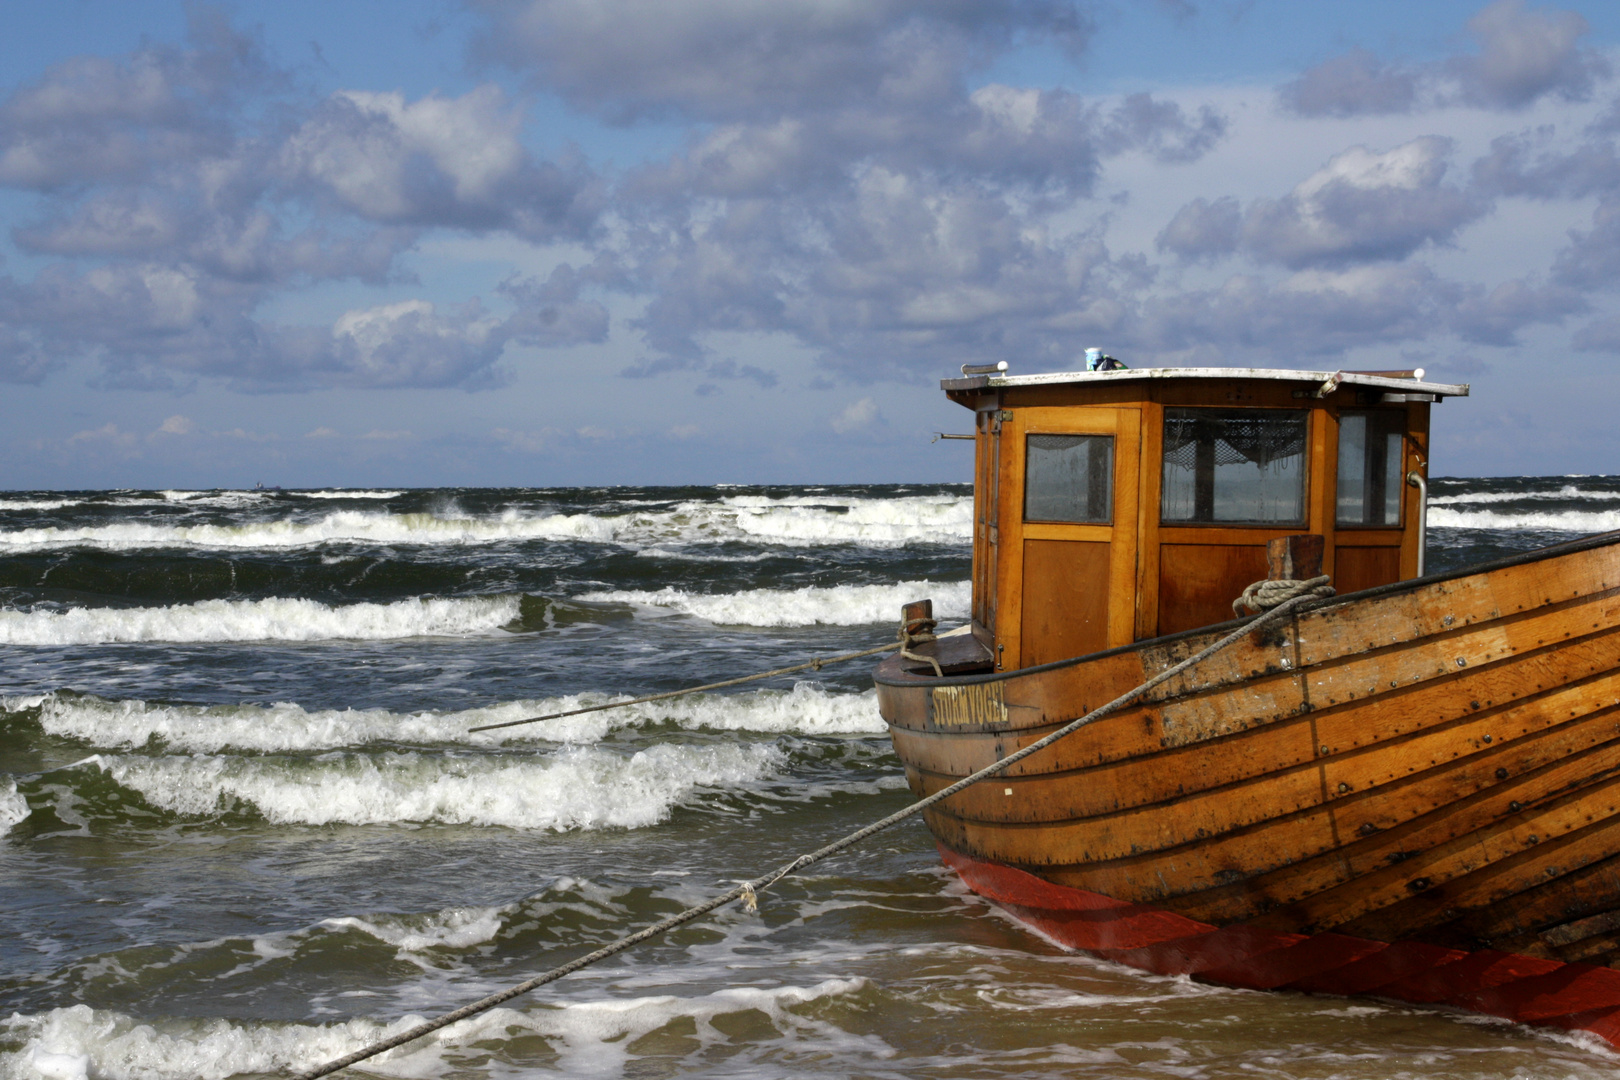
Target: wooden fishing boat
1411,790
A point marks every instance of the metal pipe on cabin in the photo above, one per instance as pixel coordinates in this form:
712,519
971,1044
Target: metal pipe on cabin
1416,479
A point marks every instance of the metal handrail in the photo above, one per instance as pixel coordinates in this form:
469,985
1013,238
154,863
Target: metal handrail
1416,479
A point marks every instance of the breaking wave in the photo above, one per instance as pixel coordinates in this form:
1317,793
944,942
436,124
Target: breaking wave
452,928
218,498
895,522
299,619
280,728
13,807
341,494
37,504
272,619
580,788
841,605
938,519
1568,491
1574,521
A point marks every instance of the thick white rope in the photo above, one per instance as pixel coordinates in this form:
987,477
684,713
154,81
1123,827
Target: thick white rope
1267,594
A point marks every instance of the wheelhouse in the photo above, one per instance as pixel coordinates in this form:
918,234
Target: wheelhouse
1114,506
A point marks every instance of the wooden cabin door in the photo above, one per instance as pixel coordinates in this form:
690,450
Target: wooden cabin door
1069,520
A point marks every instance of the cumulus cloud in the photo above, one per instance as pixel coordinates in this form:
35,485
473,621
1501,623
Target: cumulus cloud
412,343
1317,314
1524,55
22,360
1018,138
1495,316
1361,206
893,272
1203,230
438,161
853,181
1537,165
1592,261
1520,56
551,313
180,186
1524,164
1310,314
91,118
846,184
1355,84
856,415
729,60
1364,205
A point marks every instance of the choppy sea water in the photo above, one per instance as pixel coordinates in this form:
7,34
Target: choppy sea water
244,829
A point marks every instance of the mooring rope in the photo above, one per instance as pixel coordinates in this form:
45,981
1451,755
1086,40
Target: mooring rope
750,890
908,637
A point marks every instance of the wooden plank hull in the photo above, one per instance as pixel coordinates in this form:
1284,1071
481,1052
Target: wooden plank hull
1433,765
1524,989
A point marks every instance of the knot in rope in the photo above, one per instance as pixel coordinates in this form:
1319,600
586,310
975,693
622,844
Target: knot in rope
1267,594
916,632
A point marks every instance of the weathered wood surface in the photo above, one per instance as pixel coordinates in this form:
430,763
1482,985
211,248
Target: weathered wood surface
1435,761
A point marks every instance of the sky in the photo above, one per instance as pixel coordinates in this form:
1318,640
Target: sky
586,242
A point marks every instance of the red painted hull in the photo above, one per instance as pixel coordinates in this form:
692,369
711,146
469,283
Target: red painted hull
1523,989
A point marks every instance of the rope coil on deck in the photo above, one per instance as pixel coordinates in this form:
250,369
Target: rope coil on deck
1267,594
749,891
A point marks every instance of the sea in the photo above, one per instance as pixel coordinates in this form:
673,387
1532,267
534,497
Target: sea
245,829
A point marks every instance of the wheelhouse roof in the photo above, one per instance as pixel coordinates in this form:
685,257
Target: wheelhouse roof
1305,378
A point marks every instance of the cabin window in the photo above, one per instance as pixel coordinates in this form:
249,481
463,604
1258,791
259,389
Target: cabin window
1069,478
1370,466
1234,466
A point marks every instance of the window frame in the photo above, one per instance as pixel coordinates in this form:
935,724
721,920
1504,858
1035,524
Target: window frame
1304,414
1400,502
1107,471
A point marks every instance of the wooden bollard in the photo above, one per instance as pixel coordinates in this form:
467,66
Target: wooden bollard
1295,558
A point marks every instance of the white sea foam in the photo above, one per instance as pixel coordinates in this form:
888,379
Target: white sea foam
204,498
807,709
839,605
298,619
598,1038
1575,521
77,1043
341,494
591,1037
271,619
13,807
579,788
1567,492
891,522
452,928
37,504
356,526
785,522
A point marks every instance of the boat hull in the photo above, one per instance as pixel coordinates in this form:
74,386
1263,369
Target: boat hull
1523,989
1433,765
